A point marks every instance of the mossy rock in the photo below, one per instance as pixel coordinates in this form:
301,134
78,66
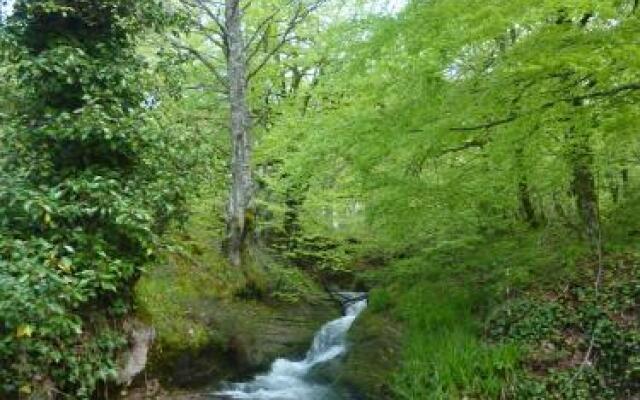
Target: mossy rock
374,354
206,333
248,337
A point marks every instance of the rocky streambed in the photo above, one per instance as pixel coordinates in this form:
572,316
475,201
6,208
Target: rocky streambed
243,338
261,334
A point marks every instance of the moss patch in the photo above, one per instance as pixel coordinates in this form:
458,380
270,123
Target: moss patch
374,353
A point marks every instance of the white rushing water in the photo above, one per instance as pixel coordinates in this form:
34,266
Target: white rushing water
287,379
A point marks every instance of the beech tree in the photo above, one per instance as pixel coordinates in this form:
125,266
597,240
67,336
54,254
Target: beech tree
235,52
490,120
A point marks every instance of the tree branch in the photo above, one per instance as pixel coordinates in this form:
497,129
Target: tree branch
573,100
603,93
469,144
259,29
202,58
221,42
487,125
207,9
300,14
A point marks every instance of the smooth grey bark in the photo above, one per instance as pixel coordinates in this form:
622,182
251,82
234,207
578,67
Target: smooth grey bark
240,125
244,57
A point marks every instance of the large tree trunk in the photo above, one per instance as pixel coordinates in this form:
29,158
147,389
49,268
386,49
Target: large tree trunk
240,126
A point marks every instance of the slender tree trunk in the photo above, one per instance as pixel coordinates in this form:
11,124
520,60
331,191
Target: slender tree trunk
583,186
527,209
526,205
295,198
625,181
240,126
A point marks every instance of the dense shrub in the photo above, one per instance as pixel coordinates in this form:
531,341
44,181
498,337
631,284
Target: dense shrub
89,176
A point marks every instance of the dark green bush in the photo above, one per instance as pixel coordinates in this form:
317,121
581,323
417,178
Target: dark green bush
88,178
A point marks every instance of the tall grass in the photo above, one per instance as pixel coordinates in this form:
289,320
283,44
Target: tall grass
442,300
444,357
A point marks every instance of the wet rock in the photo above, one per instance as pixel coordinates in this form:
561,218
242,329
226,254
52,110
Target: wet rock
287,331
245,337
329,372
348,298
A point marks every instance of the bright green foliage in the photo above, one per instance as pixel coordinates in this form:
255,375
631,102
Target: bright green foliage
89,174
445,357
456,111
488,138
482,150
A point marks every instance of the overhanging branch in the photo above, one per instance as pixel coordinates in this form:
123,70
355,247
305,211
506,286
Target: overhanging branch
632,86
487,125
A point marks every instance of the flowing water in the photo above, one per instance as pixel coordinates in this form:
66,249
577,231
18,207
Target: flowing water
290,380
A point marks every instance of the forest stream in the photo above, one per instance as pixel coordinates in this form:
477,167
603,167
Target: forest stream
190,190
292,379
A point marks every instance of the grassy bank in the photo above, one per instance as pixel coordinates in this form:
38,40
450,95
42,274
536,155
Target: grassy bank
515,317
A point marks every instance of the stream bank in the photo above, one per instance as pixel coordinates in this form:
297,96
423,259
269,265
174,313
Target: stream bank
215,323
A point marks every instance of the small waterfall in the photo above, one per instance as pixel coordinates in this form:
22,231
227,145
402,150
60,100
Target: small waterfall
287,379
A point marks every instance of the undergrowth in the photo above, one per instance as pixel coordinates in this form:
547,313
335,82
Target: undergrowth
192,295
513,318
580,343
